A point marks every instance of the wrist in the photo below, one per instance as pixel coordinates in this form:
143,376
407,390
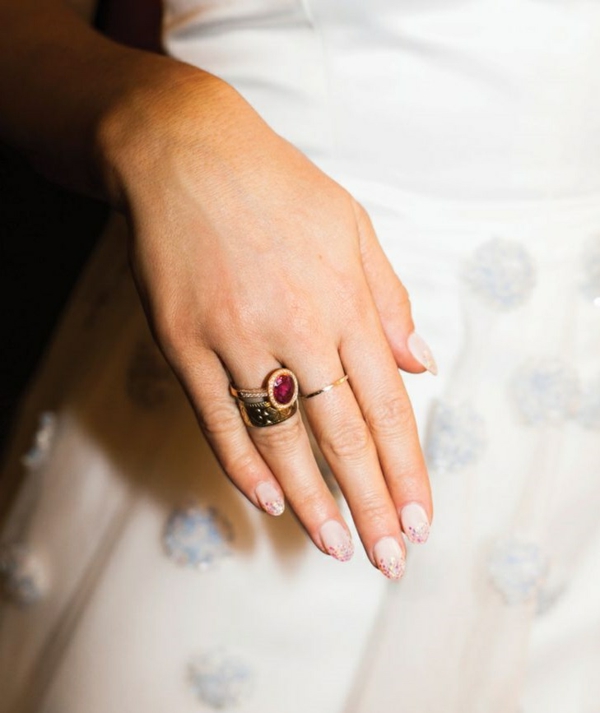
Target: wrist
149,119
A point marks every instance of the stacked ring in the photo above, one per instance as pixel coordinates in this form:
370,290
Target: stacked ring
276,401
273,404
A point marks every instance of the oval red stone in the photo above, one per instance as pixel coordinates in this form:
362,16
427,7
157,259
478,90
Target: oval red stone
283,389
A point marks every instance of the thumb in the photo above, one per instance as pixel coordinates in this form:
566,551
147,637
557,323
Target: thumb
410,350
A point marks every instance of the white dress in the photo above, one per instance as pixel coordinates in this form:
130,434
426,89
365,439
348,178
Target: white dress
136,578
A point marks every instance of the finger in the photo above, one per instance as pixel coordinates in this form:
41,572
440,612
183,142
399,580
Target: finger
387,411
285,447
392,301
207,385
345,441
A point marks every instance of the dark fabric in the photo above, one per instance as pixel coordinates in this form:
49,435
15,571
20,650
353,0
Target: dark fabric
46,235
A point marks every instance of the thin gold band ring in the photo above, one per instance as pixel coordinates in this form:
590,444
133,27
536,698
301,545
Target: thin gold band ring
326,388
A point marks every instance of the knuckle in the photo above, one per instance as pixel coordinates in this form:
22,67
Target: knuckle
403,300
218,420
350,441
283,437
375,511
388,418
239,467
309,501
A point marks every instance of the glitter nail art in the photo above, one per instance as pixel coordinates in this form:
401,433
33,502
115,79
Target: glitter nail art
389,558
392,568
275,507
337,541
342,552
418,534
270,499
415,523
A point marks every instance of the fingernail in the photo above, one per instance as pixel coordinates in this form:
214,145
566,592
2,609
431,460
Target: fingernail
270,498
419,348
415,523
389,557
337,541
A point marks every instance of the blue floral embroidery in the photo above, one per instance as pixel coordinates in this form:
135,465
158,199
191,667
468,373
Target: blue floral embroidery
517,569
43,440
545,391
501,273
21,575
220,680
590,268
455,438
148,376
588,413
197,536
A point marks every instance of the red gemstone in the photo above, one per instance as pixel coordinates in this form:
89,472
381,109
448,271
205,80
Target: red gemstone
283,389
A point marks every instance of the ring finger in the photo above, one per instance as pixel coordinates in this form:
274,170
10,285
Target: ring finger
347,445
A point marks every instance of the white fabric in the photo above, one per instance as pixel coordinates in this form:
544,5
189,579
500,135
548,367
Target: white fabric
460,125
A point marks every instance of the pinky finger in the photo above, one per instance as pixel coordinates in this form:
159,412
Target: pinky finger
207,386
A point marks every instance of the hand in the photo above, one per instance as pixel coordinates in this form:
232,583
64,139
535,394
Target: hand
247,257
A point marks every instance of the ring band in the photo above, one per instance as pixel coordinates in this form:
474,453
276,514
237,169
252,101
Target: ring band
261,414
326,388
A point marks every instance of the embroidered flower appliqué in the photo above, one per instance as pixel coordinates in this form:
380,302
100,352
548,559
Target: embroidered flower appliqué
517,569
455,438
590,269
43,440
501,273
197,536
220,680
545,391
22,579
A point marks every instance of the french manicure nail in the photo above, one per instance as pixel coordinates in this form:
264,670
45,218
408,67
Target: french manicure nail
337,541
270,498
415,523
419,348
389,557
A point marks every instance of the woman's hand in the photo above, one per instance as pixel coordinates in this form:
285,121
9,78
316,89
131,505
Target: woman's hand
248,257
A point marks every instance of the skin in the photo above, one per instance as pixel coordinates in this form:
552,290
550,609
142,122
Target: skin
246,257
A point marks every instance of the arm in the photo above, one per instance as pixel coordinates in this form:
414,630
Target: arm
61,81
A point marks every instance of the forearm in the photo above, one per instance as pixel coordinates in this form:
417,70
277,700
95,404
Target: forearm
60,84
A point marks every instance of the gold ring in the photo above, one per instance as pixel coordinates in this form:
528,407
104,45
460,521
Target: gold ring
326,388
272,404
261,414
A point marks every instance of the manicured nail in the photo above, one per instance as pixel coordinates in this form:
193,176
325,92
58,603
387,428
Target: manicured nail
415,523
337,541
389,557
270,498
422,353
